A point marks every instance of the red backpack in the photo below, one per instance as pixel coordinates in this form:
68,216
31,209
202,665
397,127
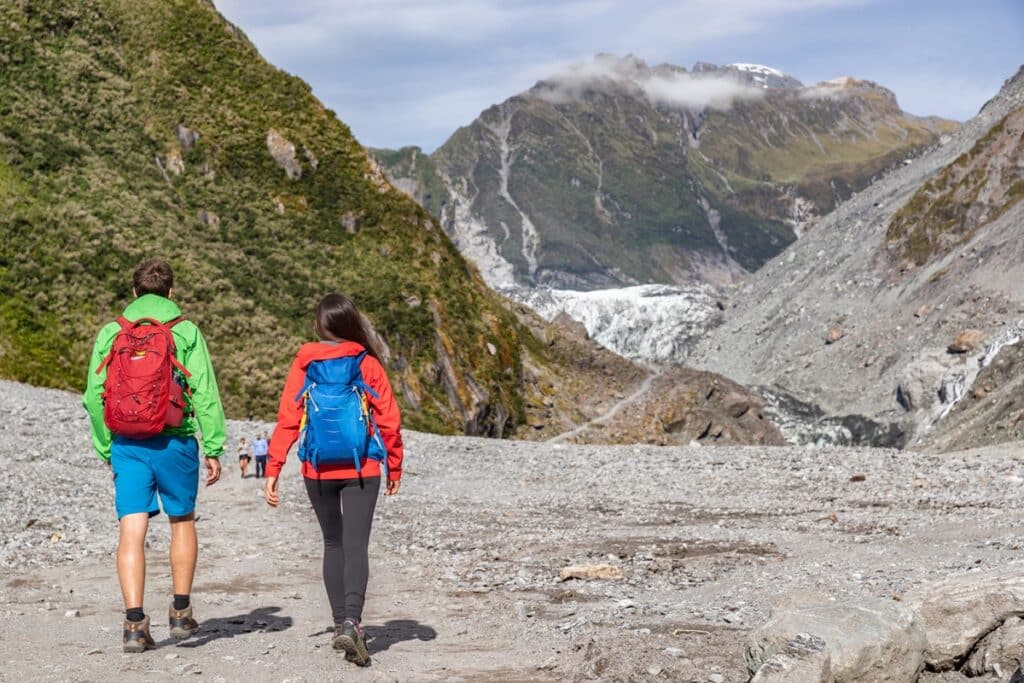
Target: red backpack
140,395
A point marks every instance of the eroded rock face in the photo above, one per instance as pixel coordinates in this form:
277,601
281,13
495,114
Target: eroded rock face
187,137
805,659
958,611
999,652
877,641
283,152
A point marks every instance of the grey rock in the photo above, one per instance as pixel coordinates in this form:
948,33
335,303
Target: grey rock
958,611
873,641
283,153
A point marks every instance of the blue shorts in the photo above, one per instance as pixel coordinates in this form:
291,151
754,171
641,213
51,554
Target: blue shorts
164,465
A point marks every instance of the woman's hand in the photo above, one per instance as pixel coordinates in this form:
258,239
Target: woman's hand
392,487
270,492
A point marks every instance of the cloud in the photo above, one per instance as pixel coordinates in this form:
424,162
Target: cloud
663,85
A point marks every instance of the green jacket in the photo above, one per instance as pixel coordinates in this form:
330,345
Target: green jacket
190,349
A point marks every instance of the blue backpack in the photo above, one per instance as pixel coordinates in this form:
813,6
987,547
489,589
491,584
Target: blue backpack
337,426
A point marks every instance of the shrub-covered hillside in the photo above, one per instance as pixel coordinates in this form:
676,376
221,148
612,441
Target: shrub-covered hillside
133,128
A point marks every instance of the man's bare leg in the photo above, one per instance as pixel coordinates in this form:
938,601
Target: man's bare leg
131,558
184,552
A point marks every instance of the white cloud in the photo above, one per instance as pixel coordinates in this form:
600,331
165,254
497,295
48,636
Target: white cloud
661,85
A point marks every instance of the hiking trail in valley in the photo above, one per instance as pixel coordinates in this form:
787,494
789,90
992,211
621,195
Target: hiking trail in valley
641,391
465,561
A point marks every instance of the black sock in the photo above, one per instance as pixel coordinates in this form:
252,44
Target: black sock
180,601
134,614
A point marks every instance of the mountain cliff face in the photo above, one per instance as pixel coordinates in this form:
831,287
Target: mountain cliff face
900,305
617,173
153,127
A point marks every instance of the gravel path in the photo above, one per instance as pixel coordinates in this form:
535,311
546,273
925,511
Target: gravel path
466,559
641,391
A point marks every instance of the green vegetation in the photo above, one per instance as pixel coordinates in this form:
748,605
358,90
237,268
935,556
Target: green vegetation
974,190
93,178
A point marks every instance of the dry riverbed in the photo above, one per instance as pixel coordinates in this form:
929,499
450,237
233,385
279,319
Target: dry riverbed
466,560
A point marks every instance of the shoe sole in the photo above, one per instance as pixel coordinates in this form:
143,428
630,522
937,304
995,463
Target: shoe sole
136,647
352,653
183,633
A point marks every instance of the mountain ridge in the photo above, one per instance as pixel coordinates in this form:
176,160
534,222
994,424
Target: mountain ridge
702,175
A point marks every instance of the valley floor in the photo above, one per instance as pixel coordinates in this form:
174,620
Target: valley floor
466,560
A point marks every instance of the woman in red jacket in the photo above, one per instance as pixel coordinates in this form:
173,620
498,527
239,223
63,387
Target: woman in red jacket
342,496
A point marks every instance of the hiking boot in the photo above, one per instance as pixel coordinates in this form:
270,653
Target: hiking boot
136,636
349,636
182,623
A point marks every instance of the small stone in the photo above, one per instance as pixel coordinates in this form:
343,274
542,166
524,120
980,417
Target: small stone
654,670
492,349
858,477
591,571
716,678
173,655
72,613
625,603
966,341
675,652
94,651
834,334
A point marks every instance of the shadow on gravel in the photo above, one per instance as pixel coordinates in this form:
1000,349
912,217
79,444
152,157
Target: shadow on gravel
262,620
380,638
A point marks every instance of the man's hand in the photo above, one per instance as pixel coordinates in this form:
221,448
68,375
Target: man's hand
212,471
270,492
392,487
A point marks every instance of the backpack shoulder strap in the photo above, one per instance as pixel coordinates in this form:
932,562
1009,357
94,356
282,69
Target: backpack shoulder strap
360,382
125,324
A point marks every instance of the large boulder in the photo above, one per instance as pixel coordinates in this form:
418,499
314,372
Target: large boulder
958,611
877,641
805,659
999,652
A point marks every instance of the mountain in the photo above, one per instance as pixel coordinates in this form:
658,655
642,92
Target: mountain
153,127
906,304
615,172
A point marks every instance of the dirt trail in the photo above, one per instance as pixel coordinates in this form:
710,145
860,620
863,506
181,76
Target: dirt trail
261,602
641,391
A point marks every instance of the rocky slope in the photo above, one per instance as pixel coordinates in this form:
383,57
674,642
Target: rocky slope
703,550
616,173
587,394
895,302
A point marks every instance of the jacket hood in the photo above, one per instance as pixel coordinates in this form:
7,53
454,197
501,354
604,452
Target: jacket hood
321,350
152,306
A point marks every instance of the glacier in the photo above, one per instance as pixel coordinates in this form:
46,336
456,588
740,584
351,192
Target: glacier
649,323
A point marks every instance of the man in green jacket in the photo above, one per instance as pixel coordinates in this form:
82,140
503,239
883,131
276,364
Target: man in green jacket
166,465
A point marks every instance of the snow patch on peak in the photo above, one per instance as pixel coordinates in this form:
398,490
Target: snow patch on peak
758,69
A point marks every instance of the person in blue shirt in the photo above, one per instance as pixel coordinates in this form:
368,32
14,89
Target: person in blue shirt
260,448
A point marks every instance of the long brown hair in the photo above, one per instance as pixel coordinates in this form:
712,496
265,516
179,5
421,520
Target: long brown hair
338,318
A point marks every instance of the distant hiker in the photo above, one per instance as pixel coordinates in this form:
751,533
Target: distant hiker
260,448
337,402
243,456
150,386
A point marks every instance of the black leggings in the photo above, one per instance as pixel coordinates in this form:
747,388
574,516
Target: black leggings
346,539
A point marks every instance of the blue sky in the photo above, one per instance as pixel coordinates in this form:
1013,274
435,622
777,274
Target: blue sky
403,72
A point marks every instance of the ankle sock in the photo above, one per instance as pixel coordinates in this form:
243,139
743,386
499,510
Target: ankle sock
134,614
181,601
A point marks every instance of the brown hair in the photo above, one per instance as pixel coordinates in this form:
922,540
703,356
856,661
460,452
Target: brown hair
153,276
338,318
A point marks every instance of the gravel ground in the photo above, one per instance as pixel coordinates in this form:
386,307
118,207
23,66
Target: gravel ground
466,559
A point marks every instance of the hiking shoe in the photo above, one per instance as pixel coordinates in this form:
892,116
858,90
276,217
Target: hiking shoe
349,637
182,623
136,636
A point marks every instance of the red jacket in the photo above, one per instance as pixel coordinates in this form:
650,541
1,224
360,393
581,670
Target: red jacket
289,415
